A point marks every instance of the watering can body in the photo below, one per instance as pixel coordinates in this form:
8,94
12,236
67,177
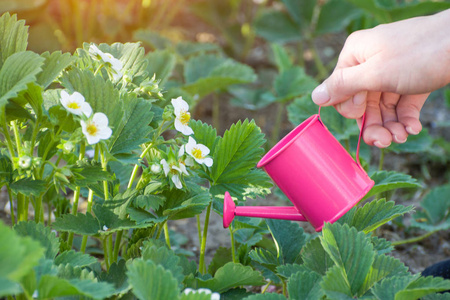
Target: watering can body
315,172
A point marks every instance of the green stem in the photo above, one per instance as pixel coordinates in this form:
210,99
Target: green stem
117,245
105,252
166,234
202,266
266,287
105,168
233,245
199,229
136,167
38,210
89,209
414,240
321,69
277,125
22,208
110,249
17,137
380,164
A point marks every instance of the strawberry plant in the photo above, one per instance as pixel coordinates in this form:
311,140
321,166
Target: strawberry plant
99,153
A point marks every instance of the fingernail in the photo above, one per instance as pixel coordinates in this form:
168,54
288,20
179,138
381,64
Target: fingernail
320,95
359,98
399,140
410,130
380,145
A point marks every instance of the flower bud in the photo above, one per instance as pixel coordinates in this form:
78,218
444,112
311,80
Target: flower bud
25,162
155,168
168,113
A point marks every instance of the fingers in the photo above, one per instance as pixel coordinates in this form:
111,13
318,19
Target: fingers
374,132
408,112
388,109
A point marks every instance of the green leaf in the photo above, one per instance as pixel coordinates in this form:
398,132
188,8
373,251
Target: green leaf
17,72
14,36
83,224
277,27
372,8
33,96
161,63
289,238
41,234
132,56
180,204
388,288
232,275
18,255
163,257
305,286
416,9
186,48
421,142
435,210
336,285
293,83
6,169
281,57
112,221
116,276
9,288
53,287
98,92
141,216
289,270
208,73
221,257
315,257
54,64
134,128
266,296
351,251
264,257
383,267
150,281
335,15
423,286
28,186
374,214
255,183
75,259
237,152
390,180
153,39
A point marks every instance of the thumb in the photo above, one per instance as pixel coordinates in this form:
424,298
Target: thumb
343,84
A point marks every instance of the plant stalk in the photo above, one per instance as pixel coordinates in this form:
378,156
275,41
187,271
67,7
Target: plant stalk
166,235
233,245
202,266
415,239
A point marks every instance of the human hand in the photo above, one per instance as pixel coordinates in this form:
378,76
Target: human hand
387,73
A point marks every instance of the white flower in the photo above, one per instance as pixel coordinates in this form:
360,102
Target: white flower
96,128
68,147
182,116
214,296
105,228
75,104
25,162
175,171
116,65
198,152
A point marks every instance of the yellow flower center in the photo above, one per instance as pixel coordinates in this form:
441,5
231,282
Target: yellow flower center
185,117
73,105
91,129
197,153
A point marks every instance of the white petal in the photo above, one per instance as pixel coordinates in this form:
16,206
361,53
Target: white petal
181,151
104,133
165,166
92,139
179,105
184,129
176,180
100,119
183,169
205,150
208,161
77,97
86,109
190,145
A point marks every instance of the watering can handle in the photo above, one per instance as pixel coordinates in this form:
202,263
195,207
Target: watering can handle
363,121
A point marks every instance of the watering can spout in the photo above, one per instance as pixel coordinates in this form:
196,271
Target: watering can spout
230,210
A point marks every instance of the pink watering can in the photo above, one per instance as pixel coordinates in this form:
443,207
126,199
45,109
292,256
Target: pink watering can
315,172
